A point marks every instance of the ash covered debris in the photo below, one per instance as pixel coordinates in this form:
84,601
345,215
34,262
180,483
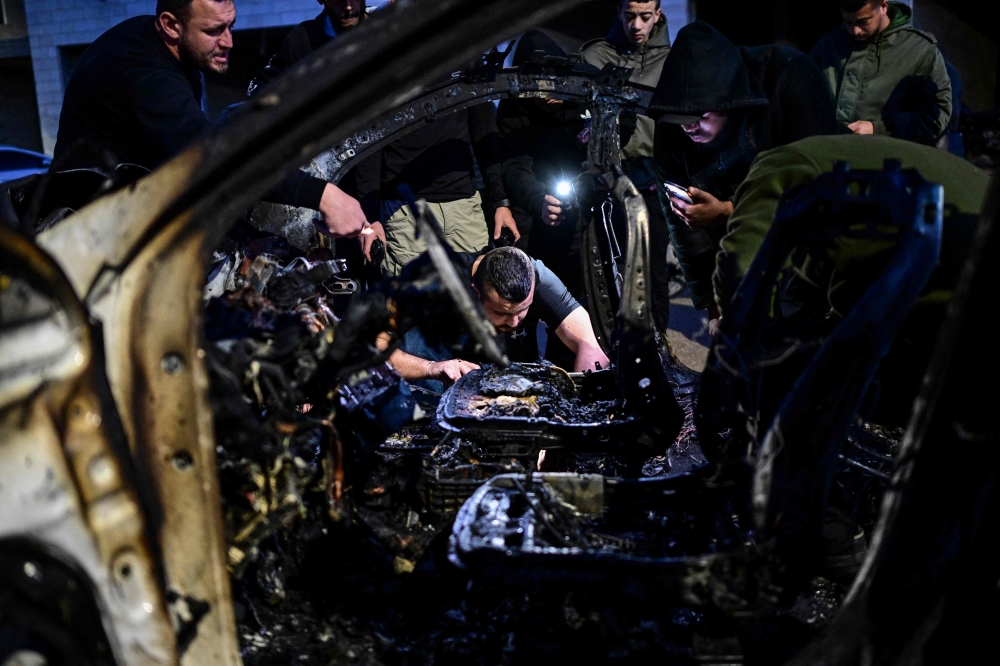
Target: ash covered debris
525,390
338,538
269,324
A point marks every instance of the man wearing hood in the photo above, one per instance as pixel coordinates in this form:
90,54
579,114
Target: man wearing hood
887,77
717,106
541,148
639,39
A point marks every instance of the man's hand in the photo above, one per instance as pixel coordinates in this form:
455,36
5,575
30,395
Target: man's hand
552,212
706,211
368,237
590,357
714,320
449,371
862,127
502,218
342,216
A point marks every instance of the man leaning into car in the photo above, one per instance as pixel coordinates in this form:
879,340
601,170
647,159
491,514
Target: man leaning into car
136,93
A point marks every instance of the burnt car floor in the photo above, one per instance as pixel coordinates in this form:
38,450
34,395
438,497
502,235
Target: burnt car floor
339,539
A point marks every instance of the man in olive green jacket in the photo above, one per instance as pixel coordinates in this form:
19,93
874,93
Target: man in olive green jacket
843,270
887,77
639,40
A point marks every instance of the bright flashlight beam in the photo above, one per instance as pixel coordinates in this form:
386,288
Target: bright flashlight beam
563,188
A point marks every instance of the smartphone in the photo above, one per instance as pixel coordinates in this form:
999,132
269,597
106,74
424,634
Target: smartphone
678,192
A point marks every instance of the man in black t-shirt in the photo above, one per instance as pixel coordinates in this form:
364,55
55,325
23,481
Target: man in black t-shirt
517,292
136,92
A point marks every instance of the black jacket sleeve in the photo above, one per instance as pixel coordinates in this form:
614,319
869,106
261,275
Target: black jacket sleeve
518,140
695,248
805,104
368,179
301,190
486,145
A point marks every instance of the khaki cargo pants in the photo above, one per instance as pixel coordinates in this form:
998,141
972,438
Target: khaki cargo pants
462,220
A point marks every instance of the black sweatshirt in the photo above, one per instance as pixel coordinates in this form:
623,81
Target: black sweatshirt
130,95
435,161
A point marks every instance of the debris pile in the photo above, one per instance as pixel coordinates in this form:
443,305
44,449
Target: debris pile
269,322
338,535
536,391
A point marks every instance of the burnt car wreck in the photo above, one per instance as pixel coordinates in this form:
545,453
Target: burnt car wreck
204,459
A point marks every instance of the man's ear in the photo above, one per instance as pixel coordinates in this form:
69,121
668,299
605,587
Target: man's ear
169,25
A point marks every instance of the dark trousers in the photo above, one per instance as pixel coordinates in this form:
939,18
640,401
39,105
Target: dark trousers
659,239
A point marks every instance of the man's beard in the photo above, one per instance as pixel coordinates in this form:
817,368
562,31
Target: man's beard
203,63
341,21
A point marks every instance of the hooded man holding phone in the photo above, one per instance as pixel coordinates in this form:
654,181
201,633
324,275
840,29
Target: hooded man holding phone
717,106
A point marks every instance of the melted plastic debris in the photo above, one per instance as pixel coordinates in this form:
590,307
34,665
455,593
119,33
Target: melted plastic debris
543,392
818,604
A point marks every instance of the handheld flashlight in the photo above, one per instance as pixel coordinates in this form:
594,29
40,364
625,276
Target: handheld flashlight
564,192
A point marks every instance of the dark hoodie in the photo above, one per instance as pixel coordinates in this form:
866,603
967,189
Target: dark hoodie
435,160
540,148
774,95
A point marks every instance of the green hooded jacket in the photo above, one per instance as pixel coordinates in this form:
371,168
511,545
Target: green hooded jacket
847,267
646,62
898,81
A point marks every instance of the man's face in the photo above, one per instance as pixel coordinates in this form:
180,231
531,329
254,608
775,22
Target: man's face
638,19
865,24
708,128
207,35
504,315
343,13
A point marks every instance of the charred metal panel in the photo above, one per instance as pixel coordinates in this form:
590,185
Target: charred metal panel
66,487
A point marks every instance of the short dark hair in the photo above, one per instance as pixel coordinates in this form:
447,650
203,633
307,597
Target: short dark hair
625,2
179,8
851,6
508,272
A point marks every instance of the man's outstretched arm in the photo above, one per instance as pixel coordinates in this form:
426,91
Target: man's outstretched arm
577,333
414,368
